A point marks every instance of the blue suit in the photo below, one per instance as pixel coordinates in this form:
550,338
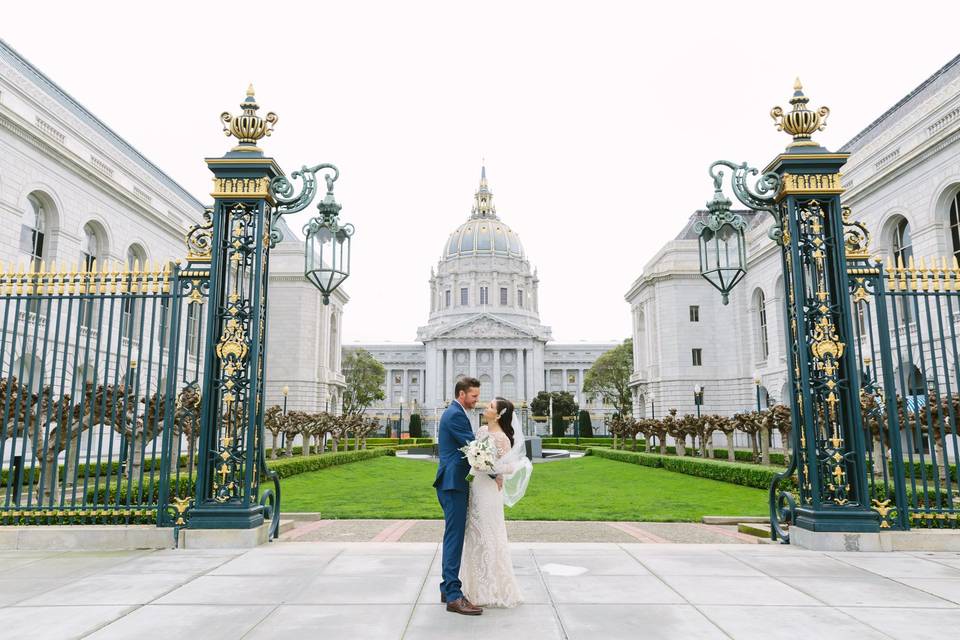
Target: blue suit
452,492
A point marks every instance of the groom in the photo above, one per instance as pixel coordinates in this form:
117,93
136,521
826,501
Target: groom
452,491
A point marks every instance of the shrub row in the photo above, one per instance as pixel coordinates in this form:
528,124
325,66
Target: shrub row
748,475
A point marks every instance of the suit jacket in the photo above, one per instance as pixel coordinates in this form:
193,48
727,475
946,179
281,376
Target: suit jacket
454,432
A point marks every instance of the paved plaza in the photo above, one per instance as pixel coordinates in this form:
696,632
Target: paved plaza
379,590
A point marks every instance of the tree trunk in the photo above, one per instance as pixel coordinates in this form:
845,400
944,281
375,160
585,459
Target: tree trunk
753,445
709,441
764,447
634,442
273,449
307,444
681,446
942,464
878,460
731,454
336,444
290,445
663,445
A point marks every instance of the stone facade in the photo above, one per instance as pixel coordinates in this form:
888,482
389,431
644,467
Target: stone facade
904,169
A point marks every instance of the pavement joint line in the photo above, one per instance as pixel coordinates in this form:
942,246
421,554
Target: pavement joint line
546,589
300,531
137,607
829,606
683,597
736,535
638,533
423,584
891,579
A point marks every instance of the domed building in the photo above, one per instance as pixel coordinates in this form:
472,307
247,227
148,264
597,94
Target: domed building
484,321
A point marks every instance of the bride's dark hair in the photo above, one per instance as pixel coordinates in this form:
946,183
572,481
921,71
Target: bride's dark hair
505,417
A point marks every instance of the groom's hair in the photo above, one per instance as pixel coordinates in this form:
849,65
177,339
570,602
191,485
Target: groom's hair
463,384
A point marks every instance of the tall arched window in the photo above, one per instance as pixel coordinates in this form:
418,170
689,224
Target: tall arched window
130,318
763,343
486,388
33,230
508,387
89,254
902,242
902,252
955,225
32,235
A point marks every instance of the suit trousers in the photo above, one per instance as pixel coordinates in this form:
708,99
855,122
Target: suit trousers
454,505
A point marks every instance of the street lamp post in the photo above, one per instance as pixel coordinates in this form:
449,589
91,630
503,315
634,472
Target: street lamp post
801,190
576,417
698,397
756,381
283,434
400,423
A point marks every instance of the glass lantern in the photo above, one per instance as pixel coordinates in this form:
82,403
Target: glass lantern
327,254
723,254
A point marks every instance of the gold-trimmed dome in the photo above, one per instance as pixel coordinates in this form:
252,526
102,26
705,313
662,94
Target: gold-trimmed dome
484,233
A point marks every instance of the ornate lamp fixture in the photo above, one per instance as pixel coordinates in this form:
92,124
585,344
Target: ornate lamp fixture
723,255
327,254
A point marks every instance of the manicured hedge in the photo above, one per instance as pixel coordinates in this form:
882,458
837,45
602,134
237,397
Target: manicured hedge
748,475
287,467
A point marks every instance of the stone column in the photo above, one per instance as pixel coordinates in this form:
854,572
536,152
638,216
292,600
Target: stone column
497,388
473,363
521,374
448,375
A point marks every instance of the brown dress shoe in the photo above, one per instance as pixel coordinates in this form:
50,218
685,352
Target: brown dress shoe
461,606
443,599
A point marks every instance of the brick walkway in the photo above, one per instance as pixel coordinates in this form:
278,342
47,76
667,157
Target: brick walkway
519,531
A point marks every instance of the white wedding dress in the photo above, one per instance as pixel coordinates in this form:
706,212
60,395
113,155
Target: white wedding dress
486,569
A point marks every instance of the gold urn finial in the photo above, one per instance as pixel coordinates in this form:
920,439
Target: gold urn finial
801,123
248,127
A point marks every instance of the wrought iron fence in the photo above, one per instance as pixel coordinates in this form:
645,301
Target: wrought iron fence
99,393
906,323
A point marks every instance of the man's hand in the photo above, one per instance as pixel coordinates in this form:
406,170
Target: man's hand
499,483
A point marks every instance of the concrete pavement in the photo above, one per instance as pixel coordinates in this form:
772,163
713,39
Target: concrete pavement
389,590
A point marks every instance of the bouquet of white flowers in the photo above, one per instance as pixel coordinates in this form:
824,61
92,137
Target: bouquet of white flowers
480,455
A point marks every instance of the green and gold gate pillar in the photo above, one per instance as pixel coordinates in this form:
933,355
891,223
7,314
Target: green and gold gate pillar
228,474
801,189
823,376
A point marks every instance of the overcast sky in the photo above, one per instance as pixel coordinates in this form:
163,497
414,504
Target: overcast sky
597,120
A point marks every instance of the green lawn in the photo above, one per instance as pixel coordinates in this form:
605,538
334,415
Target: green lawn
584,489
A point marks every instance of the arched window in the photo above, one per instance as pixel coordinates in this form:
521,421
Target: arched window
763,344
32,235
955,225
902,242
90,253
131,315
33,231
29,369
486,388
902,253
508,387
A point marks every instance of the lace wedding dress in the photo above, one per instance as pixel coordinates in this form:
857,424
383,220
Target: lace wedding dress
486,568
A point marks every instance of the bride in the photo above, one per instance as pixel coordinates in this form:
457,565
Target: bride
487,569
